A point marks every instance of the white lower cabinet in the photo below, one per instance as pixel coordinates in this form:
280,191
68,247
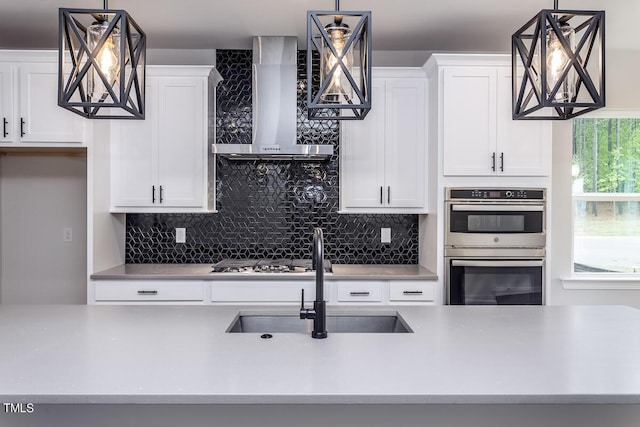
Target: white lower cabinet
384,292
360,291
149,291
269,292
412,290
262,291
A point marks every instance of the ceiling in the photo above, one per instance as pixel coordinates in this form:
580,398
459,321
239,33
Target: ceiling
450,25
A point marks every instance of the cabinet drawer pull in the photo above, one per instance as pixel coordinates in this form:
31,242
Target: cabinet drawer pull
389,195
21,126
143,292
411,292
4,127
153,194
501,162
360,293
161,194
380,194
493,161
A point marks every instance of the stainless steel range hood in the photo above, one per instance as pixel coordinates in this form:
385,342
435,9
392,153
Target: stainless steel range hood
274,107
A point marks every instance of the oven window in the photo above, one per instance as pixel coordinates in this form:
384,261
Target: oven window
471,285
492,223
495,222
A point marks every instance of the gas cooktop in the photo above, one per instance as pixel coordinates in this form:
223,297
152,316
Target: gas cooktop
266,266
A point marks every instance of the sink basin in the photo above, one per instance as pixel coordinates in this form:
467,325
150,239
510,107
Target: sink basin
343,323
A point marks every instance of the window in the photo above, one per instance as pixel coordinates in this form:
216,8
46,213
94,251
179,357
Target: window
606,195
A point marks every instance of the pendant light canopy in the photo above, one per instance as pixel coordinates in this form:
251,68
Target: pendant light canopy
102,56
558,65
338,64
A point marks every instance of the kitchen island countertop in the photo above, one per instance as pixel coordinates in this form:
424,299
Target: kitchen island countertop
455,355
202,272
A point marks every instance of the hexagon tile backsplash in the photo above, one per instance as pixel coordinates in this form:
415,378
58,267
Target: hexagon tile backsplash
269,209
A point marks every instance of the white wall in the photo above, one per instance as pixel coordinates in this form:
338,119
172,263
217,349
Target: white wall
398,58
181,56
622,93
39,197
108,230
623,85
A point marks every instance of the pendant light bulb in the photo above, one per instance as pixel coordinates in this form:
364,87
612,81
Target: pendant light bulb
107,58
338,86
557,62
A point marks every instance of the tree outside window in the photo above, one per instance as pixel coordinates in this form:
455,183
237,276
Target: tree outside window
606,195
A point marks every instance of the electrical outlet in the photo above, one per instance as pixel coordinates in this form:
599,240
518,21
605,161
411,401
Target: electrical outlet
67,234
385,235
181,235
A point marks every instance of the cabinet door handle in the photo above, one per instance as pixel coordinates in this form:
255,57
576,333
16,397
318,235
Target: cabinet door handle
360,293
493,161
153,194
501,162
161,194
147,292
21,126
4,127
380,194
389,195
411,292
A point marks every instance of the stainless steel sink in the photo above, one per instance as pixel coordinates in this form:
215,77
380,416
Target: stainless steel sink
342,323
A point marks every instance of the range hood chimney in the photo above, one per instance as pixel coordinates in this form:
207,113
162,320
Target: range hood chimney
274,107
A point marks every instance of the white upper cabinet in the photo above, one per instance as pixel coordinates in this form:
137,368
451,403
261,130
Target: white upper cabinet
383,163
30,112
469,114
525,145
6,103
478,134
160,164
362,155
405,142
182,134
134,156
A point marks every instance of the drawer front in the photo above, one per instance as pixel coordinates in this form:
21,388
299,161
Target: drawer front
411,291
144,290
262,291
360,292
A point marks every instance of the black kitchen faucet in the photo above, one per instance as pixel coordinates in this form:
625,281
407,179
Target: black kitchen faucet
319,311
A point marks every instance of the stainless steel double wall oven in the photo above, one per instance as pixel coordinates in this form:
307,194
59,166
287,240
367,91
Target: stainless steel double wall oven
495,246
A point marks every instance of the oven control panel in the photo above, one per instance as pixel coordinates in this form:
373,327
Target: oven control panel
495,193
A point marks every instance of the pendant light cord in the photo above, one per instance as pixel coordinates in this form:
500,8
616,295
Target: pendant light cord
106,4
555,4
338,4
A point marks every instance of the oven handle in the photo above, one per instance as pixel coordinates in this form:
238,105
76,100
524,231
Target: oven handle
493,208
502,263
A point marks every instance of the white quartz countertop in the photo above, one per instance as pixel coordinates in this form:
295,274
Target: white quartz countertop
182,354
202,271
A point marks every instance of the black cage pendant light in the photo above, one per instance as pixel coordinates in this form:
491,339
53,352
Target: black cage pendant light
558,65
102,56
338,64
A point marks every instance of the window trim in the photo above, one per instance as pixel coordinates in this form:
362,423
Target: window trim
604,281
